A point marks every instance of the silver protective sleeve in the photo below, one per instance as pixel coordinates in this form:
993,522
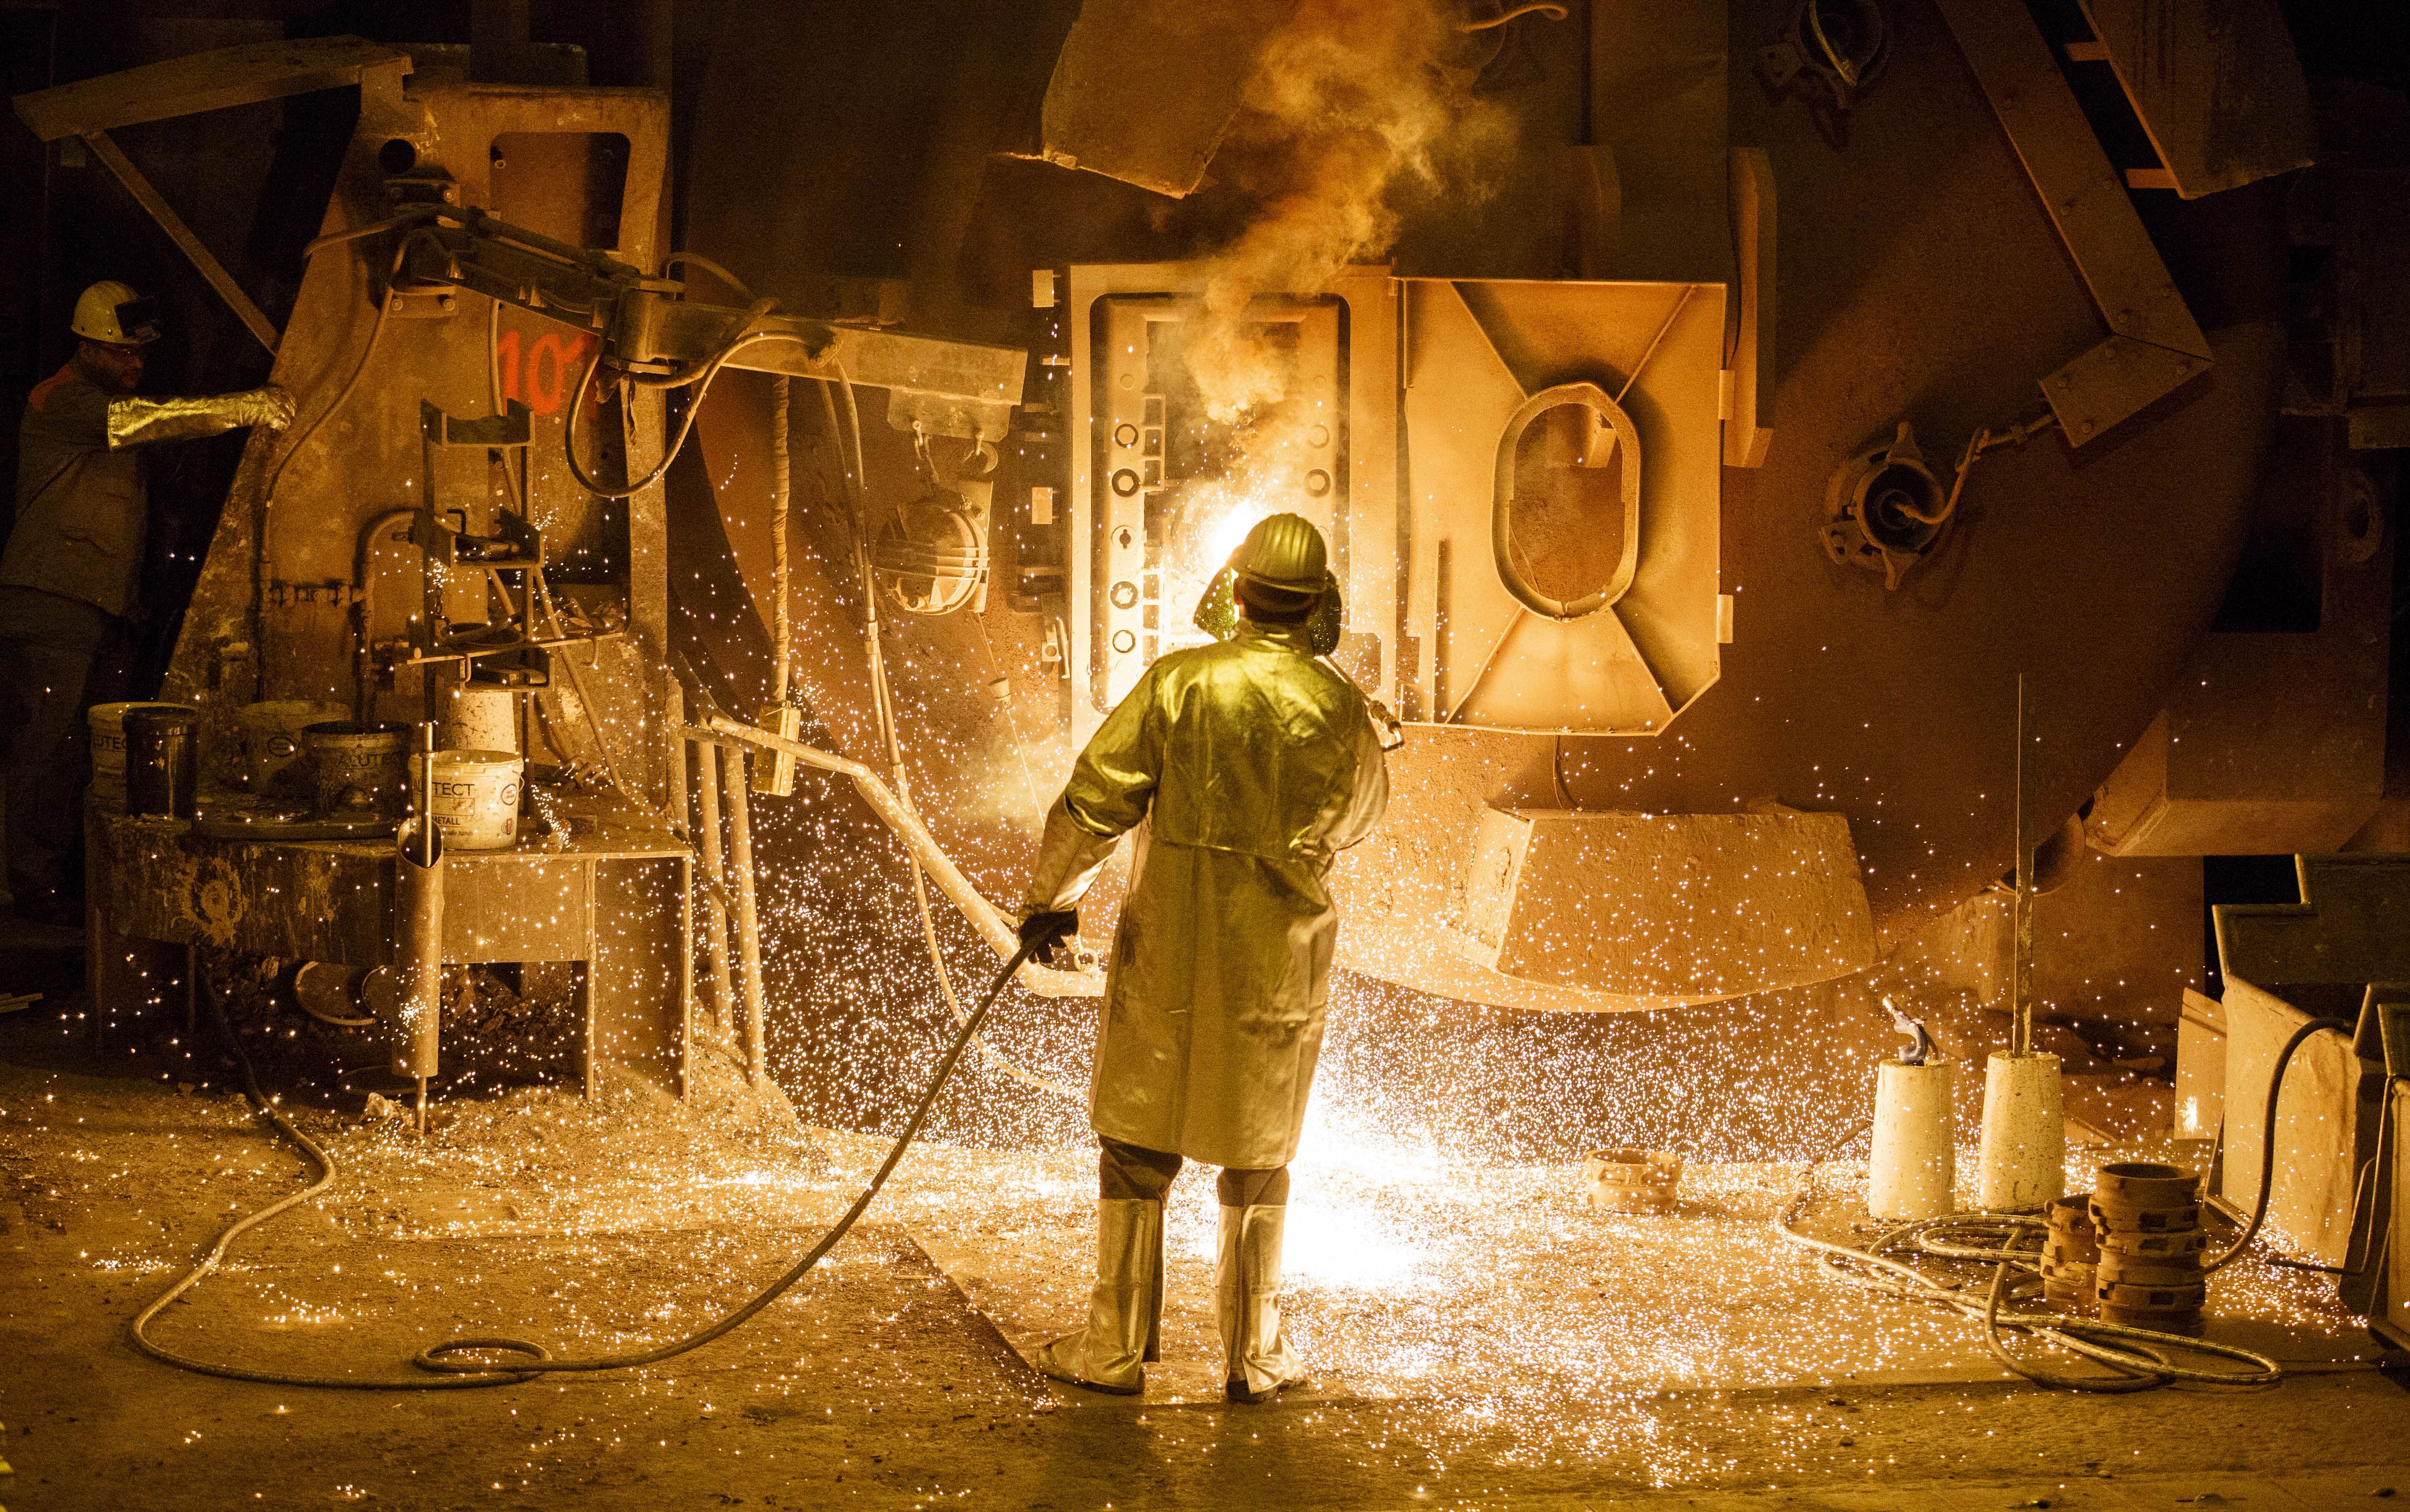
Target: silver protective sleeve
1069,858
142,421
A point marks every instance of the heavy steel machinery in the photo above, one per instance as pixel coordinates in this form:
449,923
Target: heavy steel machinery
1713,409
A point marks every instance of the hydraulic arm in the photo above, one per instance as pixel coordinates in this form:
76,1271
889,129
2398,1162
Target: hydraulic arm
652,335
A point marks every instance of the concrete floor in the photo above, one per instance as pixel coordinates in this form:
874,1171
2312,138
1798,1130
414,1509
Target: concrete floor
875,1383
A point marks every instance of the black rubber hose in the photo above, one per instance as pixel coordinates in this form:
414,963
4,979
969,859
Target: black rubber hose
326,1165
2268,1139
448,1374
434,1357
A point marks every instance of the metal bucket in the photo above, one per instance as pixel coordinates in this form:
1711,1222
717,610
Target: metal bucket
357,769
271,735
162,762
1632,1180
106,722
475,799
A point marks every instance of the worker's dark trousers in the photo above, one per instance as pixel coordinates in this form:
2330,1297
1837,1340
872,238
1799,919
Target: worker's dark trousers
1128,1172
58,657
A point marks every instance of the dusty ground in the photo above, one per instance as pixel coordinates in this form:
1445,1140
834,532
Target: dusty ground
875,1383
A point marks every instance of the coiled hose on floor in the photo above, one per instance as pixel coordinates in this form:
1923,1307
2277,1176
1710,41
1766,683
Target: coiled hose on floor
441,1365
2137,1359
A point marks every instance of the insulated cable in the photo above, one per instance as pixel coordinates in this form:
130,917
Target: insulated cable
437,1357
1553,10
446,1373
700,381
317,1155
2268,1140
418,215
743,290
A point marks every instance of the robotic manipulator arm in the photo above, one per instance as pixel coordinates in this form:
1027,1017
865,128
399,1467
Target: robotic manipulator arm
649,334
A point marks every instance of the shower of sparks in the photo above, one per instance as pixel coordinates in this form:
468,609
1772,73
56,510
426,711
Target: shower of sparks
1438,1249
1424,1266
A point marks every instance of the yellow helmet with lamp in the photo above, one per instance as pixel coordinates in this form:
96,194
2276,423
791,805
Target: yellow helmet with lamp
113,312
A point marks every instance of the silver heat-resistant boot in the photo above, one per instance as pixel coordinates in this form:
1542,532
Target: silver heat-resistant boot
1126,1309
1246,1298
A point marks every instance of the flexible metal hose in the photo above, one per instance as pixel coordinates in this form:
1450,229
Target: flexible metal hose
448,1373
746,335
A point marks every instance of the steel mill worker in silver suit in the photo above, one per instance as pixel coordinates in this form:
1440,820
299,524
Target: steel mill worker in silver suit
1243,768
74,557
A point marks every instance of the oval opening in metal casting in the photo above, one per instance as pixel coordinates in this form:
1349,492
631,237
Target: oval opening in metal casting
1566,525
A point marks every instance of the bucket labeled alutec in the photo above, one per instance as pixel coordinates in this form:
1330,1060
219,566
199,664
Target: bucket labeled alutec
358,769
475,797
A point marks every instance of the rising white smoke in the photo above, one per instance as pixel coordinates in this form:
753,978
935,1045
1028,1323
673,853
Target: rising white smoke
1352,109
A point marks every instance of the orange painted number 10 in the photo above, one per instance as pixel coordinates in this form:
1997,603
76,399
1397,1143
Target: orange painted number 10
542,373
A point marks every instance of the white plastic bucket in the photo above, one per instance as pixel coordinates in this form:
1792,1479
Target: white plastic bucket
271,735
108,724
475,797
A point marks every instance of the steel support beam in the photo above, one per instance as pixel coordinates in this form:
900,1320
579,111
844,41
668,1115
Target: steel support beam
181,235
2154,344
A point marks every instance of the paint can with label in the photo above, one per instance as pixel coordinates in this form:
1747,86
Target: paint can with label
475,799
272,737
357,769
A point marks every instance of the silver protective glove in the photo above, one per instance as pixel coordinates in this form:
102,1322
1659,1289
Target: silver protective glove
142,422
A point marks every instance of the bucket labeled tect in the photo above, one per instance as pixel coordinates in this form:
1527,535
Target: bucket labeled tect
473,797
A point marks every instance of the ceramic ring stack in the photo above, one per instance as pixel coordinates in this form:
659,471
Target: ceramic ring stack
2070,1258
2147,1219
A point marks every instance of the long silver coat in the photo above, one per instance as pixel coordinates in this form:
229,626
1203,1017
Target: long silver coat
1245,767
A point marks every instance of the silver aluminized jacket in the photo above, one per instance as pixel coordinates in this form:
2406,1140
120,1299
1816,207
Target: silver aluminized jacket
1245,767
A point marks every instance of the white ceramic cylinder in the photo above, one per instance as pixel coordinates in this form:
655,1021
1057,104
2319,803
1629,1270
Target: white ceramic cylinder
2024,1135
479,716
1914,1167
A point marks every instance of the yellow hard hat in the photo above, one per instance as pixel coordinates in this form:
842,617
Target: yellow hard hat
112,311
1284,551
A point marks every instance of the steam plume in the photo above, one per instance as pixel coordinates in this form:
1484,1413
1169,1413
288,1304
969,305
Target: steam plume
1351,105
